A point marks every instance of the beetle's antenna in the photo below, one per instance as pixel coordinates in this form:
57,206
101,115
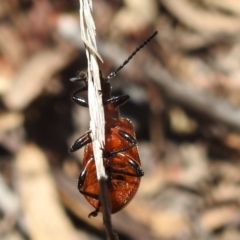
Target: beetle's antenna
113,74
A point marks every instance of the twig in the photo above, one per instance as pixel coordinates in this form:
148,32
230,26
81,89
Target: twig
104,198
231,6
207,23
97,122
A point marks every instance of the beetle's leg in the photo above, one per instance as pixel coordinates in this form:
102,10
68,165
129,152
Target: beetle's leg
94,213
133,164
129,138
79,100
82,76
95,196
81,180
136,166
81,142
117,101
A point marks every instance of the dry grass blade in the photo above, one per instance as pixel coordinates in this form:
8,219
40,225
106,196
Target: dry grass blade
97,122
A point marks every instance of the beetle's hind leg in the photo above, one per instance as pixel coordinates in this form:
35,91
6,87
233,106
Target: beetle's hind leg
95,196
94,213
81,181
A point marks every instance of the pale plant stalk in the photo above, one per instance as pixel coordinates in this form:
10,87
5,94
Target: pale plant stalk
97,122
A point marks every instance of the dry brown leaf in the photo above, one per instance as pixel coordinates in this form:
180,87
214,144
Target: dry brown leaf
34,75
169,224
41,206
137,15
218,217
201,20
228,6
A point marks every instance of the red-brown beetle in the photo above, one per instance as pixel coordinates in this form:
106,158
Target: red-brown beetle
120,153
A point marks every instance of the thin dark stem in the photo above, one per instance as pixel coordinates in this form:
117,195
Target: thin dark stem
106,210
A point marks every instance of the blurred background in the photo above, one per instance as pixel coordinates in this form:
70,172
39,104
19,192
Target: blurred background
184,88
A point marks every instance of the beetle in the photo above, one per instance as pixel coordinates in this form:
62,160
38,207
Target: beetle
120,154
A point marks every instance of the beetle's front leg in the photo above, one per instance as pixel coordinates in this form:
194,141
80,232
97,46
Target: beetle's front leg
117,101
80,100
82,77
